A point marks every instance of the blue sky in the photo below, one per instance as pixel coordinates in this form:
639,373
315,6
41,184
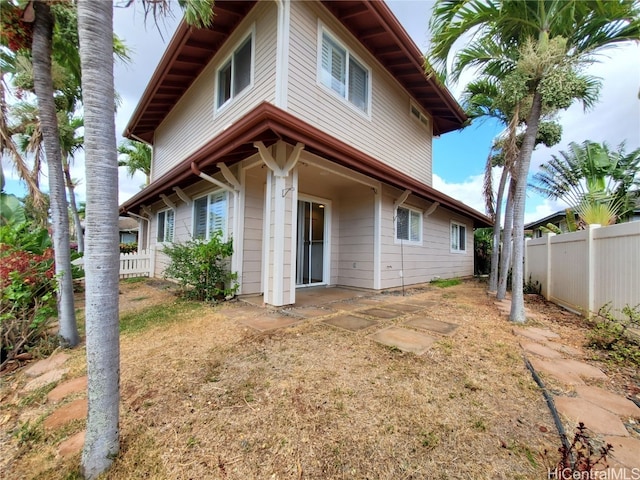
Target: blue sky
458,157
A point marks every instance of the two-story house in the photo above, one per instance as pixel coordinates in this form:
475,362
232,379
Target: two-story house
303,131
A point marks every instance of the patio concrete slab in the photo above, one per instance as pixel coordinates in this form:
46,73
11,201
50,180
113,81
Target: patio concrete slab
403,307
306,297
432,325
596,419
310,312
264,323
609,401
540,350
424,303
242,310
65,389
349,322
626,450
404,339
383,313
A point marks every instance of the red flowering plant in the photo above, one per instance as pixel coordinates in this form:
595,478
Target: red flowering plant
15,33
27,298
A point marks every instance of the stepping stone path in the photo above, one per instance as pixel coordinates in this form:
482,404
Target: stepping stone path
603,412
404,339
350,322
50,370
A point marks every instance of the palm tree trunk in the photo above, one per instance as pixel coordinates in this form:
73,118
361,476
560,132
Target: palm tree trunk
495,251
74,207
507,243
517,293
43,83
95,28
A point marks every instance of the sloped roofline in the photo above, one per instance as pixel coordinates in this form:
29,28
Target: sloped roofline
269,124
371,21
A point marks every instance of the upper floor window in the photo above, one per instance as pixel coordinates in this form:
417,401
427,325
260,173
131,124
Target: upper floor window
235,74
343,73
210,214
166,224
458,237
408,225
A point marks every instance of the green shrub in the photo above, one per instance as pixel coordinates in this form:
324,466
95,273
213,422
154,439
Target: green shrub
202,268
611,334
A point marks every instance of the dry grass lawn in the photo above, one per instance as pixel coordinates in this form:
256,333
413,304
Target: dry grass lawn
204,396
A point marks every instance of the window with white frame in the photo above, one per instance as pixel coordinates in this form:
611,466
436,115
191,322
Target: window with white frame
235,74
408,225
458,237
343,73
210,215
166,224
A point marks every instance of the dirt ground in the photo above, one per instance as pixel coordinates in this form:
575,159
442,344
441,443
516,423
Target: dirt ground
204,396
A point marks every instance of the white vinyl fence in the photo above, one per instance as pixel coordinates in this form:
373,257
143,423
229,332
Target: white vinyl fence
584,270
132,264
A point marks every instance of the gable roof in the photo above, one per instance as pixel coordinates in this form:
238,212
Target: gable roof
372,22
269,124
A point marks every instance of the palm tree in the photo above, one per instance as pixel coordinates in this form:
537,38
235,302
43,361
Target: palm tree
591,177
536,49
70,143
43,84
136,157
95,26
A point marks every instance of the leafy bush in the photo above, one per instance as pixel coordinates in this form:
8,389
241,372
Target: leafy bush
28,302
611,334
201,268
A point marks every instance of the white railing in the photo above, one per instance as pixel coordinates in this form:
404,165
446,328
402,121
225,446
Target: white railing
138,264
584,270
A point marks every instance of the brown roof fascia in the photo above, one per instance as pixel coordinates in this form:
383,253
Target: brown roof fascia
178,40
411,50
268,117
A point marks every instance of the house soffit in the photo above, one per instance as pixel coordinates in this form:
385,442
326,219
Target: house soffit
372,22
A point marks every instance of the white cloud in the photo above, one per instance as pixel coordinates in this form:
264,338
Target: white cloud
468,192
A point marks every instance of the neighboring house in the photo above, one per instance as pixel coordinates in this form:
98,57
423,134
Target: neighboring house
303,131
128,228
559,219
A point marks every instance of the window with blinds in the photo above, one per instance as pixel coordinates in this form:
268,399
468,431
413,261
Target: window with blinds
166,226
458,237
343,74
235,74
408,225
210,214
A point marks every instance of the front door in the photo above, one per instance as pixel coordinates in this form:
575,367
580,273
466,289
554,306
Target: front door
311,247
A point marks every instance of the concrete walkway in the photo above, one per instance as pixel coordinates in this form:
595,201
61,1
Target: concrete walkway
580,394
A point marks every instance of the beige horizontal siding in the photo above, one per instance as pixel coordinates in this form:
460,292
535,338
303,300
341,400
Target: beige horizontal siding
253,215
192,122
433,259
391,135
356,223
